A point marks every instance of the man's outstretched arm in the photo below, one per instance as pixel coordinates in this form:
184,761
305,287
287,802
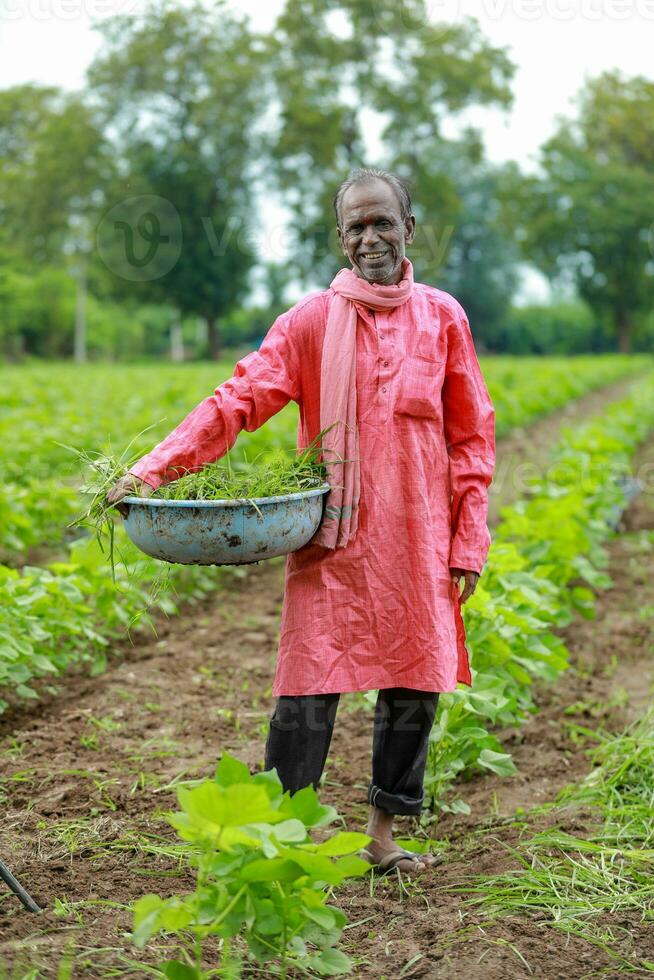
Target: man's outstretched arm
263,382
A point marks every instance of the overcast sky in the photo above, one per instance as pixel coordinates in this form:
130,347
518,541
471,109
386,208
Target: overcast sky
556,45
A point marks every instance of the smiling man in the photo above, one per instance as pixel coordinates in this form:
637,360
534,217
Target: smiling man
374,226
372,602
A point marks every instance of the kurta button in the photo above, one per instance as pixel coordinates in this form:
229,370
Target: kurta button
384,388
385,363
382,336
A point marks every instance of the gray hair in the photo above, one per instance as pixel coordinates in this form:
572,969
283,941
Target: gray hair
365,175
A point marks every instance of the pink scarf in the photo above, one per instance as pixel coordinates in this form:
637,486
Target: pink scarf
338,398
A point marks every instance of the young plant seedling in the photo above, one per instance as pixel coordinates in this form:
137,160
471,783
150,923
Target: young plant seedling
261,880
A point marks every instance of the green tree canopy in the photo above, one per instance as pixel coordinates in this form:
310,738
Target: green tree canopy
55,163
346,68
179,86
588,217
480,260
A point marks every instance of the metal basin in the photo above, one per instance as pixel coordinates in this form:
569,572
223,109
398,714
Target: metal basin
224,532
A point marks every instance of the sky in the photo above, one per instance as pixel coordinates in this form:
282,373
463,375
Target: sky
555,44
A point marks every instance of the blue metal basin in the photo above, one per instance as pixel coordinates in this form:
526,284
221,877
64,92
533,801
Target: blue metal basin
224,532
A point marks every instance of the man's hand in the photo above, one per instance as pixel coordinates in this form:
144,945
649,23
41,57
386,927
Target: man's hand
128,486
471,579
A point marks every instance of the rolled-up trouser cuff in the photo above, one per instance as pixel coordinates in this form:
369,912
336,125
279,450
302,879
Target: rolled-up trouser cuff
397,803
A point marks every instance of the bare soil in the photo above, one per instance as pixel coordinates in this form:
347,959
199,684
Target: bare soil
87,776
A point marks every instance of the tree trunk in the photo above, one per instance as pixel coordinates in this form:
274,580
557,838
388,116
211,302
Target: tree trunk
213,337
176,342
623,326
201,336
80,314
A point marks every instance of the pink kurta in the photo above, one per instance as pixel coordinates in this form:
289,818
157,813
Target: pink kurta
383,611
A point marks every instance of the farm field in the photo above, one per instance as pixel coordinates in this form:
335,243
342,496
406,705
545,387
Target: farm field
104,407
175,176
562,636
63,607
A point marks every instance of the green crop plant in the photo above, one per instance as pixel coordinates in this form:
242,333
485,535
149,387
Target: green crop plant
527,388
68,613
262,883
34,512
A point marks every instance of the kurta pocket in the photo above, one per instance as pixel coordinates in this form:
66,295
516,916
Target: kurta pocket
420,388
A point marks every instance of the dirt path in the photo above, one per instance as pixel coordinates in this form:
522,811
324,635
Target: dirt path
86,778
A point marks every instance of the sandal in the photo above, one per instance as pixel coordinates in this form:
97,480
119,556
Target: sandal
390,861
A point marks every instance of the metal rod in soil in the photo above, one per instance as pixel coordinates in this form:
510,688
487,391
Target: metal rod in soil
18,889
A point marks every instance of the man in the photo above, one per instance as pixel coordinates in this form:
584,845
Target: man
372,602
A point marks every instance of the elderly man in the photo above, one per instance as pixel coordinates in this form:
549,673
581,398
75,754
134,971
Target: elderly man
372,602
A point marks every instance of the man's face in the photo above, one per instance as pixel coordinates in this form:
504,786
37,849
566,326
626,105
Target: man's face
372,232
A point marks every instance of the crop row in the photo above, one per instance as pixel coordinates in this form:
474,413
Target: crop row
68,613
103,407
546,544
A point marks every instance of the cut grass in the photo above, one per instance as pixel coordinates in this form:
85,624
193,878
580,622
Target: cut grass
280,475
282,472
102,472
588,887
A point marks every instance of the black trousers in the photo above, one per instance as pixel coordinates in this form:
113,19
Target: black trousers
301,729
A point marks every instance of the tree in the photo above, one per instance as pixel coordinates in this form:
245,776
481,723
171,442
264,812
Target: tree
480,265
55,164
342,67
179,87
589,216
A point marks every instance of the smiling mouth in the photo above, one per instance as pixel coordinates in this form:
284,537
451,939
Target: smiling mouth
373,255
